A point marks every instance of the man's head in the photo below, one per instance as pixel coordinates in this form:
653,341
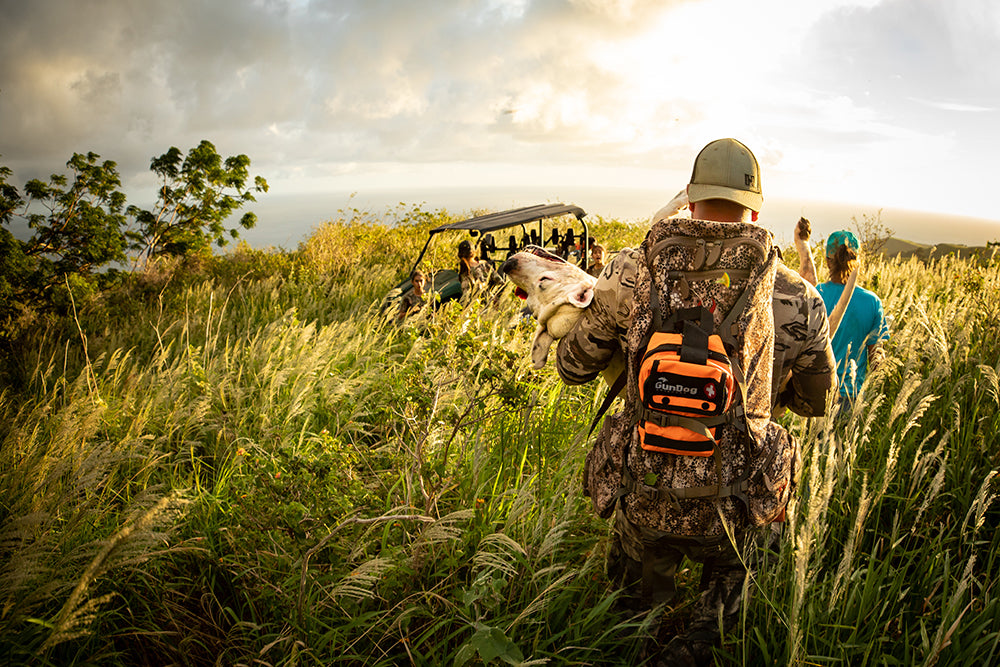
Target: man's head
725,183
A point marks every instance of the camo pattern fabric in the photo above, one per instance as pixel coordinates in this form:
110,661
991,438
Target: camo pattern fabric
624,287
480,277
602,468
803,356
801,335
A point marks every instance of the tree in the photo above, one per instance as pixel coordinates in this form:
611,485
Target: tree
872,232
14,265
197,194
82,228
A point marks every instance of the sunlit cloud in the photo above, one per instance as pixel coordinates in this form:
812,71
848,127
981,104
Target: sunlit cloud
838,98
953,106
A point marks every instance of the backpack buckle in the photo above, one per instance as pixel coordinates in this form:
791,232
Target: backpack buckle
658,493
650,493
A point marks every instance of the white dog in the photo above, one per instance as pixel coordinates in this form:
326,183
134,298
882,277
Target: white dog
556,293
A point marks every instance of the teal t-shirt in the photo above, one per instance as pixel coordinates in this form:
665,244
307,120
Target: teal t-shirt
863,325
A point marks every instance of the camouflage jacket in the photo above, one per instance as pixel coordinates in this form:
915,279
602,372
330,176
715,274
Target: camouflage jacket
800,347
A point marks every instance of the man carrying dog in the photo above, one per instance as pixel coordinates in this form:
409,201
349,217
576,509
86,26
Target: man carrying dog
710,495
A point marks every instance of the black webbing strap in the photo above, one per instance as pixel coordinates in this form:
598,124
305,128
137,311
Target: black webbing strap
694,344
699,425
737,489
726,328
609,398
735,275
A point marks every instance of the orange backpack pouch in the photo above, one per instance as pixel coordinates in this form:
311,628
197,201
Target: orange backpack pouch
675,391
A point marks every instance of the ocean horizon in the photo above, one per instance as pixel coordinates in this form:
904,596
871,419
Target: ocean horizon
285,220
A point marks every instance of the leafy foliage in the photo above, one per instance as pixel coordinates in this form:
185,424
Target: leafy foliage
197,193
80,223
14,265
83,226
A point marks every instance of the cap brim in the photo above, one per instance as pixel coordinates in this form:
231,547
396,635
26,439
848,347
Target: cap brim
701,191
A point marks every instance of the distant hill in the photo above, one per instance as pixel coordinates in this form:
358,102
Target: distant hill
902,248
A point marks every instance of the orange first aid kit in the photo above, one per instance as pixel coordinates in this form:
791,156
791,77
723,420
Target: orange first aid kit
684,390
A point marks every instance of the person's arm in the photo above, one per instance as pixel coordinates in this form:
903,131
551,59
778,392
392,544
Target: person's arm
807,267
404,309
880,332
591,344
814,371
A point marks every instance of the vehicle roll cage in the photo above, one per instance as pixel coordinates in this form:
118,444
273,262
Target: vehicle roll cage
491,222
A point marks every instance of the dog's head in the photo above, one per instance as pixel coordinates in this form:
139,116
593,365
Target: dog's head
556,292
546,280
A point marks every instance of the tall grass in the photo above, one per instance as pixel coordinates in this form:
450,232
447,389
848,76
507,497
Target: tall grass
245,462
890,556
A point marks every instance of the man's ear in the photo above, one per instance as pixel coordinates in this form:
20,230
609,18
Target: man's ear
582,298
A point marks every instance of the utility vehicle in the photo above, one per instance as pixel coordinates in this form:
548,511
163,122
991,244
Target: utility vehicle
528,225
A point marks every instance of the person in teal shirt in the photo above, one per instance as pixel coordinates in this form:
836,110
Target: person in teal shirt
857,341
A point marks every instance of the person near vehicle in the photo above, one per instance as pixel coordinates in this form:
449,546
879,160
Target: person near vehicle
857,343
724,188
414,299
596,259
474,275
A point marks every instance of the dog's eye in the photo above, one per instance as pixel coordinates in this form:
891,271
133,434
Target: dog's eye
542,281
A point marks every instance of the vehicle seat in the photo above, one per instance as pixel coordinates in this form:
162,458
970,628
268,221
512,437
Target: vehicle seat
487,245
569,243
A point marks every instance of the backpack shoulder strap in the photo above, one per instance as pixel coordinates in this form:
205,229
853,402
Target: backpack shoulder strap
610,397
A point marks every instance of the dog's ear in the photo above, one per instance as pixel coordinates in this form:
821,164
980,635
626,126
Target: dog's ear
540,347
582,297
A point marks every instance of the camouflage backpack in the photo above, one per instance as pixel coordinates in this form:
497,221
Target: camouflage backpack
694,447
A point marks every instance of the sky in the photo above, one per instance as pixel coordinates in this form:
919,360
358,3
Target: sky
885,103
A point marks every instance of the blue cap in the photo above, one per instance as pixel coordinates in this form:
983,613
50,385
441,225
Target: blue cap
840,238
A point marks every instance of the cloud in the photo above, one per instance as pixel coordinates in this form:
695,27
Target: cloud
332,87
345,80
953,106
902,48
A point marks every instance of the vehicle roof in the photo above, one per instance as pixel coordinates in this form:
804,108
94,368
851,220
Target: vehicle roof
491,222
518,216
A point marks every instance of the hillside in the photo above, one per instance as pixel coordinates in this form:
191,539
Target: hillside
239,460
902,249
